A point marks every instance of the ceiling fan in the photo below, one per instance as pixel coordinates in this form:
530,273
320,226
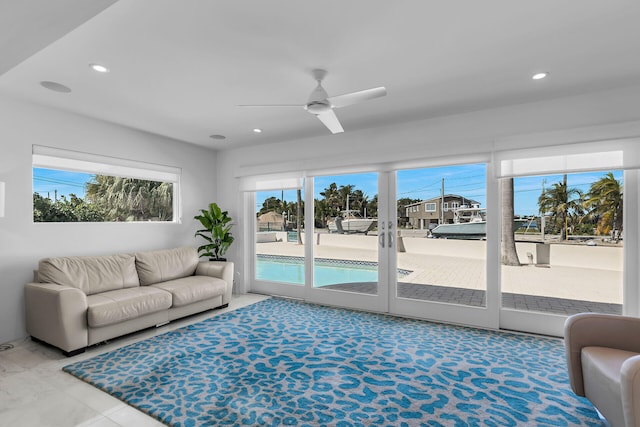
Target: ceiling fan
321,104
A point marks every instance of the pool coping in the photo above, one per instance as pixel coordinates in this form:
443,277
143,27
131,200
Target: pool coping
299,259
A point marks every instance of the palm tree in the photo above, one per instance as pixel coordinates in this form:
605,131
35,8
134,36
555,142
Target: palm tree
372,207
321,212
604,200
344,192
130,199
509,253
563,203
332,198
359,201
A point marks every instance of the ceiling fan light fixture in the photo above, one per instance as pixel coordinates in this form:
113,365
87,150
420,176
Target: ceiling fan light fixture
99,68
540,76
257,130
218,137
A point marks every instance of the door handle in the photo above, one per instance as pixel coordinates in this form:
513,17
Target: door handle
381,240
390,239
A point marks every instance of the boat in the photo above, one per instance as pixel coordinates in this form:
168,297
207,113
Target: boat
469,222
351,221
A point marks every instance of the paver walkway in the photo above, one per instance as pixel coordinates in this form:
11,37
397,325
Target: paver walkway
476,298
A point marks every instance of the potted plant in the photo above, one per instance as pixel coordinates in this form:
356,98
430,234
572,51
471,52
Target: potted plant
216,231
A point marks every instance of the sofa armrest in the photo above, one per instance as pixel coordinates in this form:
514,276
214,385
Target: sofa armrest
220,269
57,315
597,330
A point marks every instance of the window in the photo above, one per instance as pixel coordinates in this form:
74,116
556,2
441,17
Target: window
455,206
71,186
445,206
450,267
571,224
278,240
567,208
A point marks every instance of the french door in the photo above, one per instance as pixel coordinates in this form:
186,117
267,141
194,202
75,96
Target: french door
395,264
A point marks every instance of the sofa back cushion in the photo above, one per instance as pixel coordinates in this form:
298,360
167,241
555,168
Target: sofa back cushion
90,274
169,264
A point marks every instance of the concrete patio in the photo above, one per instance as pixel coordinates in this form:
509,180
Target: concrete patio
579,278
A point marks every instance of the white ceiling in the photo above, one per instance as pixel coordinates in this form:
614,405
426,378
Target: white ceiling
180,68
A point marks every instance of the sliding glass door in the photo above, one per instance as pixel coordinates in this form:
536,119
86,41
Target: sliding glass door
565,255
458,243
441,254
347,259
279,256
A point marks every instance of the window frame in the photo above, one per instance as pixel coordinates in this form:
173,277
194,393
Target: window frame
74,161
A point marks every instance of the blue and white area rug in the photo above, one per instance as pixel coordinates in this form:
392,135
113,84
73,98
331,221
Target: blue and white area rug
280,362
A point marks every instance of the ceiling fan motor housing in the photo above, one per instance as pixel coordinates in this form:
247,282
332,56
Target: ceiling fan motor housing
318,103
318,107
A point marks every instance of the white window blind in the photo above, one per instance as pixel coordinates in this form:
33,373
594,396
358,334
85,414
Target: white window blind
583,157
56,158
271,182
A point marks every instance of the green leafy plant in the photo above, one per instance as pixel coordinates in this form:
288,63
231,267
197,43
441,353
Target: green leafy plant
216,231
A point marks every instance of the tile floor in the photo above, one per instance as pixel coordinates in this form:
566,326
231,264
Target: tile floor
35,392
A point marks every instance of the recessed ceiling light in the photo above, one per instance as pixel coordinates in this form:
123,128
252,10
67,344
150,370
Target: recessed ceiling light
56,87
539,76
219,137
257,130
99,68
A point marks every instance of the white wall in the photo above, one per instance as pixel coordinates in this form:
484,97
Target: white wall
431,140
23,243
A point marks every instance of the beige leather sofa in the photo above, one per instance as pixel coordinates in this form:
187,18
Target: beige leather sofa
603,357
76,302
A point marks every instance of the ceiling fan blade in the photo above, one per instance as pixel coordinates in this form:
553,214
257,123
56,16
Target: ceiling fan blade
355,97
272,105
331,121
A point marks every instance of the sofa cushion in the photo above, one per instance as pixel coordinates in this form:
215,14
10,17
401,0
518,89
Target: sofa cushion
192,289
91,274
161,266
117,306
601,372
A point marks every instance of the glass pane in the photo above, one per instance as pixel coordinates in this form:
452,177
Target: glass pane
279,236
441,234
63,196
346,245
565,255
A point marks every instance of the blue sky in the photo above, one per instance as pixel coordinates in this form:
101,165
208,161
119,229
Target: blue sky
47,181
465,180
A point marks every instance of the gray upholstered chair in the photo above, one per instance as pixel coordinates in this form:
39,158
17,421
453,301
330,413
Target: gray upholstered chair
603,357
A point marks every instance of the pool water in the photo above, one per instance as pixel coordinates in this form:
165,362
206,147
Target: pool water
286,269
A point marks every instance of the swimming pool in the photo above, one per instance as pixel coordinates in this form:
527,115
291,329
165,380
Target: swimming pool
289,269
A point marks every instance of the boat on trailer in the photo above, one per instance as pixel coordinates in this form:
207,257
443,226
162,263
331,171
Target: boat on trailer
469,222
351,221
